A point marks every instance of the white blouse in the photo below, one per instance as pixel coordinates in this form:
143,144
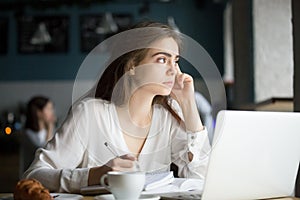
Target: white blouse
63,165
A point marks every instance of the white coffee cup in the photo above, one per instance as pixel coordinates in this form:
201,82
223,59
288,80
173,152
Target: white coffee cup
124,185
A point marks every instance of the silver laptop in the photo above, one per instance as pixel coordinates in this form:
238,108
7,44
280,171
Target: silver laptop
255,155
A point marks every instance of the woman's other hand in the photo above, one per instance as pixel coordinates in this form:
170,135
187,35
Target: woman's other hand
122,163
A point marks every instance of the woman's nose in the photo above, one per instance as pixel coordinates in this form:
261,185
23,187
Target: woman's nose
172,68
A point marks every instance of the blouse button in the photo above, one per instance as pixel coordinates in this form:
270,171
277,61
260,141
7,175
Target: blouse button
192,137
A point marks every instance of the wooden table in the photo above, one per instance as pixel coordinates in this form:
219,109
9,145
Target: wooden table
4,195
287,198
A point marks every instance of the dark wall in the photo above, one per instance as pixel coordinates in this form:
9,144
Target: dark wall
201,21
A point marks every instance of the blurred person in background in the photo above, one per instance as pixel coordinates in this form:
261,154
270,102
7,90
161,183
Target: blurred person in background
39,127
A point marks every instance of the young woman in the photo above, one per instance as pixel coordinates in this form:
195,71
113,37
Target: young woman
39,127
130,120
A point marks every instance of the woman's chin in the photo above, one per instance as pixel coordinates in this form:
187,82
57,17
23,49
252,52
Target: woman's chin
165,92
160,90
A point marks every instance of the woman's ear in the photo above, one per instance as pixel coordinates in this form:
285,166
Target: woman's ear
132,71
131,67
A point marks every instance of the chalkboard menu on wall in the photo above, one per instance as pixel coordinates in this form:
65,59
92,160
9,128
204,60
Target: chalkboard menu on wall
3,35
96,28
43,34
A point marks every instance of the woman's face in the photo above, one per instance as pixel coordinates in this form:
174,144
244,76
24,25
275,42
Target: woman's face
47,114
156,72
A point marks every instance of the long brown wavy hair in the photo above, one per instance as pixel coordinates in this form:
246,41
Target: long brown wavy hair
118,67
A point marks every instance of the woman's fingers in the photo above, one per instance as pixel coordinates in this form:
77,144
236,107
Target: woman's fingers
181,79
183,87
122,163
178,70
128,157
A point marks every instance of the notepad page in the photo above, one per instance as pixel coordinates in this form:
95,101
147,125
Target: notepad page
155,180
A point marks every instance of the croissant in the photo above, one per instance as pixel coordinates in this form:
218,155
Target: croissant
31,189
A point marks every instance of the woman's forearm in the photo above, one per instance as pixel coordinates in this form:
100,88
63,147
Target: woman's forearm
191,116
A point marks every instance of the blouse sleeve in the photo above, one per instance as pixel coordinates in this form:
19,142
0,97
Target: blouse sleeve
58,165
195,142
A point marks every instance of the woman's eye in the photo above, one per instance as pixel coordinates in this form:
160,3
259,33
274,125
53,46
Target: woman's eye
161,60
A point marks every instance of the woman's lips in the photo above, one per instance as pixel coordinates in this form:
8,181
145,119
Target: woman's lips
168,83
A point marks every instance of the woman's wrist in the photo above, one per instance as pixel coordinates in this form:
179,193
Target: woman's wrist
186,100
191,116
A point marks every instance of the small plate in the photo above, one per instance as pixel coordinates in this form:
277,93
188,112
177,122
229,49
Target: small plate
111,197
64,196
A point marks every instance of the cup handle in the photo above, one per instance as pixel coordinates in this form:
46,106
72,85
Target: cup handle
102,181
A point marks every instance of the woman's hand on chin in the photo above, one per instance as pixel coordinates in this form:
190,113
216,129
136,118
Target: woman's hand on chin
183,88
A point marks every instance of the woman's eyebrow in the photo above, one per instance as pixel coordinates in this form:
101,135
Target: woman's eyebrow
164,53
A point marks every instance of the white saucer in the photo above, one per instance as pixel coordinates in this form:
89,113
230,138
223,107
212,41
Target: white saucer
111,197
65,196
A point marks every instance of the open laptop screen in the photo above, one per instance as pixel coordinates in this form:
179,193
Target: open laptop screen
254,155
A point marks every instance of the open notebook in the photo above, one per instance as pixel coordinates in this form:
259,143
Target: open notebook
156,183
178,185
157,180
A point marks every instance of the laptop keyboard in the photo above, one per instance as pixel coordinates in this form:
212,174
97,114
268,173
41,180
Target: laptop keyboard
180,196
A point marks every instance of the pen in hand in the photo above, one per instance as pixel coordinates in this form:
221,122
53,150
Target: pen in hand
137,166
111,150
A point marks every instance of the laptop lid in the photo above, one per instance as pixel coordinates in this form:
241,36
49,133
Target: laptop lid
255,155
